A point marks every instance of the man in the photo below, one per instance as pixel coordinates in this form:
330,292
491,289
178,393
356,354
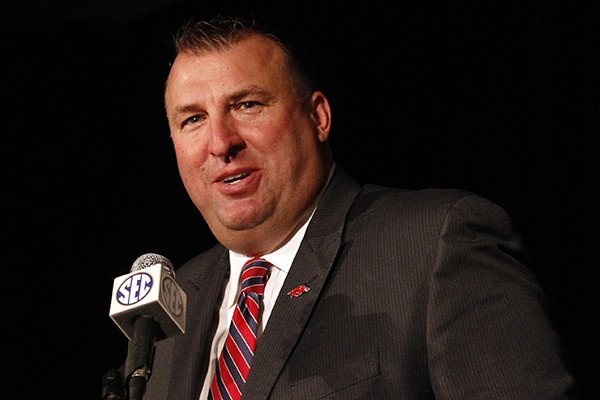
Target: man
371,292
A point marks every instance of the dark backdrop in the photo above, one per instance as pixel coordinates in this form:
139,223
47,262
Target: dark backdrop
500,100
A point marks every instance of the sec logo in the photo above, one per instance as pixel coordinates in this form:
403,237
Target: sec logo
171,296
134,288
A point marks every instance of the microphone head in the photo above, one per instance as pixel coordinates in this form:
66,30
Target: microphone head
151,259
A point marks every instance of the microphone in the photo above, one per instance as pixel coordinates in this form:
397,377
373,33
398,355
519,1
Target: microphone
148,306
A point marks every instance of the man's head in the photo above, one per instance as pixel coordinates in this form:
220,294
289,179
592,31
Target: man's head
250,133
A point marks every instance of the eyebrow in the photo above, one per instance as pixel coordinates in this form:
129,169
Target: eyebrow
233,98
186,109
249,90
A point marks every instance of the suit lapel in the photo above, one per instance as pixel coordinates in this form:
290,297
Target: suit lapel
204,290
311,267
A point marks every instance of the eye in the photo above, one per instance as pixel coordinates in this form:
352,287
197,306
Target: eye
193,120
246,105
248,108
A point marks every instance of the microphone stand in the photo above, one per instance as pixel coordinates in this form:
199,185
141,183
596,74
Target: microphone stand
137,368
140,354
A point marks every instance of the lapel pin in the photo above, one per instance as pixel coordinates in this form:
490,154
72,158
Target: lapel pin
295,292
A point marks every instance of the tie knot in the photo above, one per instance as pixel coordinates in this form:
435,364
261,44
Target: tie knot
254,275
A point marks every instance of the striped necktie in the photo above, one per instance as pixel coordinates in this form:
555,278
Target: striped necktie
237,354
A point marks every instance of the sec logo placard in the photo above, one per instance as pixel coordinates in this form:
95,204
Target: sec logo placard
171,296
134,288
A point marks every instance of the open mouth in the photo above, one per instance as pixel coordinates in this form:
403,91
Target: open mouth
235,178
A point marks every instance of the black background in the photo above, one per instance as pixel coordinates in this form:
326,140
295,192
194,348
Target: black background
501,100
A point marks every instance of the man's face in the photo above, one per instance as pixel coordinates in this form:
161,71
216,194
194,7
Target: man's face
251,154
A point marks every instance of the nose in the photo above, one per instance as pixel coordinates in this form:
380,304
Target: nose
224,140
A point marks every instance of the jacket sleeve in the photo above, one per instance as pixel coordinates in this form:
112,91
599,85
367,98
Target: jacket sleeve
488,333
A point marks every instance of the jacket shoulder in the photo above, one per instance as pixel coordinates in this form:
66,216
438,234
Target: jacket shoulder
389,200
394,207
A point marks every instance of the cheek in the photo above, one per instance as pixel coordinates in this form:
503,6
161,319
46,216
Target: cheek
190,163
189,153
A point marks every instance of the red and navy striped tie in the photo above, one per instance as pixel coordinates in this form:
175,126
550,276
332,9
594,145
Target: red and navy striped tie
237,354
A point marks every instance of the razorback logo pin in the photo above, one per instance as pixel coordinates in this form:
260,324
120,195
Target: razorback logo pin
297,291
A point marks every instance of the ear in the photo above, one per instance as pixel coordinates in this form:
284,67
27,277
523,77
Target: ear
321,114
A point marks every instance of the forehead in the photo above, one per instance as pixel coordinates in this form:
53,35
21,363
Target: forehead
254,57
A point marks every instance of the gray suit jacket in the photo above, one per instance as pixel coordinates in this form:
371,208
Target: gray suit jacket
414,295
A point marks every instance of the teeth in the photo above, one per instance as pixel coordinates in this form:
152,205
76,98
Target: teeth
235,178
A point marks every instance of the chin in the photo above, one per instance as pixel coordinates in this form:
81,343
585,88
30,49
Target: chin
240,222
242,216
242,239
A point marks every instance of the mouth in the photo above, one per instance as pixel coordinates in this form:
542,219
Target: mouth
231,180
